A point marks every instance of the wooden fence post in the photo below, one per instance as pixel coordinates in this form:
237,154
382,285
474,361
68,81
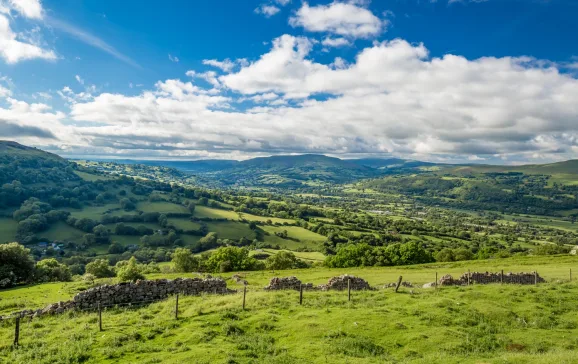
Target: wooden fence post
99,317
436,285
398,283
469,274
535,277
17,331
301,294
177,307
244,294
570,274
502,277
349,289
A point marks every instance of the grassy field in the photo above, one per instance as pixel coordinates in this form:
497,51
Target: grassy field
231,230
203,211
299,237
93,212
475,324
184,223
62,231
162,207
8,229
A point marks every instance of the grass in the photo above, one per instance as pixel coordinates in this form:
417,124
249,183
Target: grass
62,231
231,230
8,228
204,211
299,237
91,177
162,207
94,212
475,324
184,223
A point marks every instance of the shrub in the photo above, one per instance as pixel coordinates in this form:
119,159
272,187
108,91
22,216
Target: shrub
231,258
130,272
49,270
16,264
184,261
100,268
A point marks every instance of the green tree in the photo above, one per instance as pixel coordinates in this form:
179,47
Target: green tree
100,268
230,258
463,254
115,248
131,271
16,264
445,255
49,270
184,261
282,260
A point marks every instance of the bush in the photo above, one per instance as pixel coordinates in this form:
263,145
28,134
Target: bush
130,272
184,261
100,269
283,260
16,264
230,258
49,270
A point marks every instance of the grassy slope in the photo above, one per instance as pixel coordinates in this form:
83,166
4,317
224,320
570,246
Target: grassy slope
477,324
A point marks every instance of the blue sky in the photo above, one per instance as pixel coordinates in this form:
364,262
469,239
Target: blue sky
481,81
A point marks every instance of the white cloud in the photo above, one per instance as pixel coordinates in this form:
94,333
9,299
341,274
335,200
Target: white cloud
267,10
79,79
344,19
393,98
282,2
335,42
173,58
4,92
28,8
226,65
13,51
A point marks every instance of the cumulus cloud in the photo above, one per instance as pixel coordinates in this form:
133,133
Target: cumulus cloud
393,98
173,58
28,8
13,50
341,18
226,65
335,42
267,10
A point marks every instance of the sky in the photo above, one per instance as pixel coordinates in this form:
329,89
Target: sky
481,81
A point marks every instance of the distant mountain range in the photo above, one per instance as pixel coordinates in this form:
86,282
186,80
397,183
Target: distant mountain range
314,169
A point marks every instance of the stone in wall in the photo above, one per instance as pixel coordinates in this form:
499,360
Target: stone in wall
340,283
287,283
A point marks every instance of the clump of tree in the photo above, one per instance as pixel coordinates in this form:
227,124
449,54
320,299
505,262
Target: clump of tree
284,260
184,261
231,258
364,255
454,255
130,271
16,264
100,269
50,270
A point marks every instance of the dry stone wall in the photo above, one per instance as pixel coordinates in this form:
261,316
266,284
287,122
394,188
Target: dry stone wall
283,283
340,283
334,283
137,292
489,277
